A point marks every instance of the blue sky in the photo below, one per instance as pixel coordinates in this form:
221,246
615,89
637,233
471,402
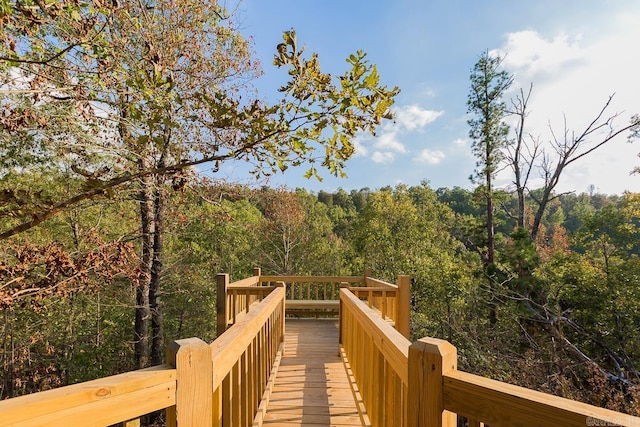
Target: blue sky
576,53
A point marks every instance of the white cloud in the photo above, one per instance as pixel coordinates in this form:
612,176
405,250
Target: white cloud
359,149
426,91
389,141
532,57
433,157
414,117
573,77
460,143
382,157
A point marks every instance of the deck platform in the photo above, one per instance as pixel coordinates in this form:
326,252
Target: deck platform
312,387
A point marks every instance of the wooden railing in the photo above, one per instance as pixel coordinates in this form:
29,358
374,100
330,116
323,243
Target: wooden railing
216,384
314,295
235,299
391,301
377,357
104,401
243,357
227,382
404,384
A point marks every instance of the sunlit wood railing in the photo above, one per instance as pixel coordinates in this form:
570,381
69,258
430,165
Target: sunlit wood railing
225,383
313,296
104,401
391,301
377,357
418,384
237,298
243,357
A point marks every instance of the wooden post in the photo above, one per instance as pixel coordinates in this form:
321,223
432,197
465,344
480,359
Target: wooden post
367,273
403,306
222,282
429,359
194,388
343,285
251,299
284,309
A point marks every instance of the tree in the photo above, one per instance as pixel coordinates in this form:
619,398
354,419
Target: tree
164,101
488,130
296,234
570,147
406,231
521,153
489,135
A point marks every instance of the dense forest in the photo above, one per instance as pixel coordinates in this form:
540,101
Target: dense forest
566,308
110,238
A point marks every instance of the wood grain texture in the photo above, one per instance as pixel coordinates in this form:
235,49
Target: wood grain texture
98,402
429,360
194,393
500,404
311,387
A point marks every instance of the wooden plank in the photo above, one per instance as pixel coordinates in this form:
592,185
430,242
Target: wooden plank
102,412
113,394
308,279
249,281
266,397
252,290
429,360
357,396
296,303
311,386
372,283
403,307
500,404
222,282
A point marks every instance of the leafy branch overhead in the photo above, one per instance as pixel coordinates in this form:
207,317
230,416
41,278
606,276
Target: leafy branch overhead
316,109
96,99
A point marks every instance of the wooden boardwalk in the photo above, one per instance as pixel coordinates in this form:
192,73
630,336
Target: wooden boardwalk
312,387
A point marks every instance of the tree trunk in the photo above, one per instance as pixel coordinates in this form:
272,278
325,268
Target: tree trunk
491,242
521,207
157,332
141,333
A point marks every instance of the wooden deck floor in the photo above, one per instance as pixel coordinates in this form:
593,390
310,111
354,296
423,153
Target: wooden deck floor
311,386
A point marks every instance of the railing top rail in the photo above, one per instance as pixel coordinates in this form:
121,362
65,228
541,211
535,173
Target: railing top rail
249,281
251,289
372,289
391,343
103,401
319,279
370,281
498,403
228,347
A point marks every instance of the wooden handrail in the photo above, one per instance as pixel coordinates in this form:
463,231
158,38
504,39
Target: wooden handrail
228,347
104,401
249,281
501,404
222,383
371,282
433,392
378,356
302,279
